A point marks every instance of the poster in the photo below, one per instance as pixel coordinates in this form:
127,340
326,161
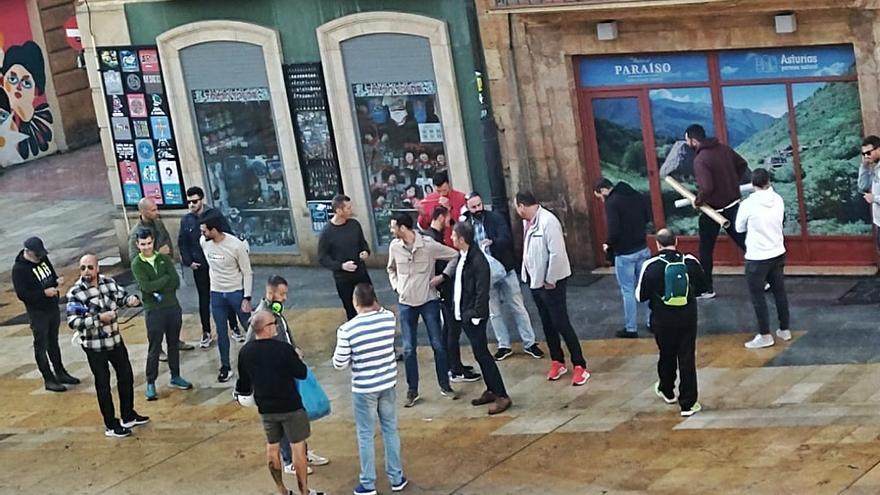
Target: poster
142,130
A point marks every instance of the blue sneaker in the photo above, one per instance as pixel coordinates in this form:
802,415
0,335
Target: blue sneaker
361,490
150,393
179,382
400,486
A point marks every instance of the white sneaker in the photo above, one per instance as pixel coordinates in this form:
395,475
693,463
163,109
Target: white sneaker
289,469
316,460
760,341
784,334
707,295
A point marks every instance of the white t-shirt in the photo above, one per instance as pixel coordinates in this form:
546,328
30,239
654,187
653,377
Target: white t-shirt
229,264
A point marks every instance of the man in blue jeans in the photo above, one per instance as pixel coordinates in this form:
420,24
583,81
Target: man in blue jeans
366,343
411,259
627,214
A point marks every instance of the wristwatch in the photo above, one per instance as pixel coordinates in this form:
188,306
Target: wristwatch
247,298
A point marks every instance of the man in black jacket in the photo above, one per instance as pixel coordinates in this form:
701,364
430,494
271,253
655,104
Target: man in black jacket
191,255
492,235
626,216
470,276
36,285
673,318
343,249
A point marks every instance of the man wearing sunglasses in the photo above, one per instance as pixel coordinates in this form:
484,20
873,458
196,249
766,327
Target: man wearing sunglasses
92,305
869,180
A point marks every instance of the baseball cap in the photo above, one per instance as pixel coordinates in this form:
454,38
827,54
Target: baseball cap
35,244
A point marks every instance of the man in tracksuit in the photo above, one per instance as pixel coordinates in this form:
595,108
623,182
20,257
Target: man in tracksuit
669,283
37,286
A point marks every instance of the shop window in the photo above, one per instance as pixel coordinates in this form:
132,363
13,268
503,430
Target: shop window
232,107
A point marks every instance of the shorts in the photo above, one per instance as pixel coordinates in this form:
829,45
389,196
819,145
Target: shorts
294,425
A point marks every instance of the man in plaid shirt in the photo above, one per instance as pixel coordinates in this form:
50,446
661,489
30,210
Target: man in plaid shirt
91,312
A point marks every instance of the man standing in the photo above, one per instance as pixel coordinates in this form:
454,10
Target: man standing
760,217
626,216
36,285
191,255
231,284
269,368
492,235
366,343
92,303
471,296
158,282
869,179
444,195
546,269
451,330
411,260
718,171
149,220
342,249
668,282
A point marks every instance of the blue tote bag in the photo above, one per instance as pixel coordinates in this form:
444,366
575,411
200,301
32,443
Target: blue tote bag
314,399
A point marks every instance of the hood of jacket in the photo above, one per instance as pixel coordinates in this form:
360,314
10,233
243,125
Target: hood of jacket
708,144
767,198
624,189
23,262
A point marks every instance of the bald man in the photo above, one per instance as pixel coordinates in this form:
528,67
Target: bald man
92,305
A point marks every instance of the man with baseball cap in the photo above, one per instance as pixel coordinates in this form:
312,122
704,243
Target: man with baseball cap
37,285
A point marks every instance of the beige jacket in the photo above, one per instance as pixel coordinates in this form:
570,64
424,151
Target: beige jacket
410,268
544,257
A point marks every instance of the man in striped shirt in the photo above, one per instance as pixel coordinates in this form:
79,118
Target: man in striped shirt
366,342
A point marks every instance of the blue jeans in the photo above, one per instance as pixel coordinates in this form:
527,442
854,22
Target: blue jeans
365,408
409,325
627,268
507,294
222,303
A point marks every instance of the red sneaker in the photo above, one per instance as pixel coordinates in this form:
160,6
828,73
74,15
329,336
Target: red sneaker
580,376
557,369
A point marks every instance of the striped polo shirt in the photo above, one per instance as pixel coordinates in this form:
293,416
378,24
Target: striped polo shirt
366,342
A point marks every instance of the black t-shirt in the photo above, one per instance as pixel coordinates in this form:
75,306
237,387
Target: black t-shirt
269,368
341,243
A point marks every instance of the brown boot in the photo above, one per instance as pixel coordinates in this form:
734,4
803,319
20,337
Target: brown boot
486,398
500,405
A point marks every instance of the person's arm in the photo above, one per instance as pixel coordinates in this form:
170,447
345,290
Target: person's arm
392,269
174,278
362,241
612,219
342,353
557,256
741,165
696,274
80,321
244,265
146,284
162,233
426,209
439,251
27,287
243,385
742,216
325,251
132,245
643,286
297,367
705,183
481,290
120,294
183,242
503,238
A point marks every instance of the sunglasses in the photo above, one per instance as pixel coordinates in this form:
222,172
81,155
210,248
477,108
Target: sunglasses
868,153
193,201
86,267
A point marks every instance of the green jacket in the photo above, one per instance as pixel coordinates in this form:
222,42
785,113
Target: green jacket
161,237
162,279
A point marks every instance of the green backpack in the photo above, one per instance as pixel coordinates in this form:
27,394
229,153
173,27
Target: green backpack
676,283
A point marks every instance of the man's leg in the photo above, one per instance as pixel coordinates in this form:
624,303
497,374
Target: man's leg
624,267
154,321
708,235
234,300
450,336
409,320
430,312
777,285
512,298
274,463
390,437
40,321
756,274
52,348
496,317
667,347
687,364
124,381
345,290
203,286
286,453
301,465
364,406
99,364
558,309
644,255
476,334
173,324
554,343
219,309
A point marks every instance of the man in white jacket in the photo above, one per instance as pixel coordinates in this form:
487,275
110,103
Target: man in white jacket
546,269
760,217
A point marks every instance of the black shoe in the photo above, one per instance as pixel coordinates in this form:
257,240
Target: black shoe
465,376
534,351
467,368
399,357
411,398
502,353
136,420
224,375
117,431
65,378
54,386
626,334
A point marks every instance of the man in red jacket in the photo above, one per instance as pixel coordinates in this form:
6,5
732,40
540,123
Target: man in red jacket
719,171
444,195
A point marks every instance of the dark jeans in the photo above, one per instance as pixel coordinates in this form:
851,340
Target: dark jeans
44,326
553,310
476,334
162,322
451,335
709,230
222,303
757,272
409,325
345,288
203,286
677,350
99,362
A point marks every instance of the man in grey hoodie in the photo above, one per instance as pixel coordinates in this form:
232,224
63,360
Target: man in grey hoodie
869,178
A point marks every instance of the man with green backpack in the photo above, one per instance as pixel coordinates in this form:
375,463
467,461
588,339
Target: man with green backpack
670,282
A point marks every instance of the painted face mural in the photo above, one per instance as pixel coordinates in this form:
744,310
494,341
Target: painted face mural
24,82
18,83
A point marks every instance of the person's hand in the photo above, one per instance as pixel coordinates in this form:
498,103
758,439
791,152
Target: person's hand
364,255
132,301
299,352
165,250
869,198
486,243
246,306
605,247
195,266
60,280
436,281
50,292
549,286
107,316
444,202
349,266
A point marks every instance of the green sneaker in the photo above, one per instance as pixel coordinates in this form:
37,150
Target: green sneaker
179,382
662,395
150,392
693,410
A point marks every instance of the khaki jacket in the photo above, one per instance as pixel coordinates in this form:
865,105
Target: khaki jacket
410,269
544,257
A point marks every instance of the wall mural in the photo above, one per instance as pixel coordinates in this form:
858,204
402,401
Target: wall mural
25,116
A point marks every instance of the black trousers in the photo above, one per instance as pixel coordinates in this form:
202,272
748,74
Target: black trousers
757,272
709,230
476,334
99,362
553,310
677,344
44,326
451,335
163,323
345,288
203,286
